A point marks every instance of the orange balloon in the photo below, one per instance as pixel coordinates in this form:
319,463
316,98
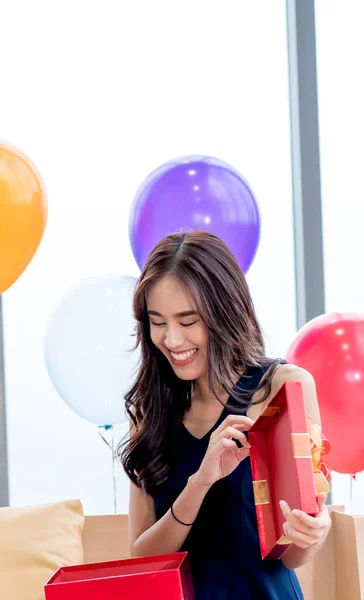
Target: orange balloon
23,214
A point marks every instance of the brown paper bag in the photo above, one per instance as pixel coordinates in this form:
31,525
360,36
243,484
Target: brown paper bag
349,556
317,578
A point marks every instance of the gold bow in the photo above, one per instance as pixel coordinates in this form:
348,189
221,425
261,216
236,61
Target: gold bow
320,446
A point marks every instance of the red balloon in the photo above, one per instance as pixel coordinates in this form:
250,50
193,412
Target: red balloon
331,348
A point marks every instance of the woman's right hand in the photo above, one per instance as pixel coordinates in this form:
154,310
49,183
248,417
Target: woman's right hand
223,454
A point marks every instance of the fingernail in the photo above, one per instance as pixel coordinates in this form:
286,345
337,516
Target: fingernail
282,504
296,512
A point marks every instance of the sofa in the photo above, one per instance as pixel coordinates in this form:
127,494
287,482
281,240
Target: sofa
35,541
337,573
106,538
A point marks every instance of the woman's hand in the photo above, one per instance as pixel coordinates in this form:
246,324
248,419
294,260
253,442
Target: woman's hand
223,454
305,531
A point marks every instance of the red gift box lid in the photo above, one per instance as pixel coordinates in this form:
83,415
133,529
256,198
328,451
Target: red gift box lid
166,577
282,467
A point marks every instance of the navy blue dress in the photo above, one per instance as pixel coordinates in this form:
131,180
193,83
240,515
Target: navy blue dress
223,544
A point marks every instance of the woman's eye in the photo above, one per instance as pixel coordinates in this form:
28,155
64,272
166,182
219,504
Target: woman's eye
188,324
157,324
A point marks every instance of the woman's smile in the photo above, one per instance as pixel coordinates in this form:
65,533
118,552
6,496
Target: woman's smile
183,358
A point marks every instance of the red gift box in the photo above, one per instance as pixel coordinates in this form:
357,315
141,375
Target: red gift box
165,577
282,466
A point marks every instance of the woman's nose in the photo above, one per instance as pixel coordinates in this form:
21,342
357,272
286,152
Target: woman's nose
174,338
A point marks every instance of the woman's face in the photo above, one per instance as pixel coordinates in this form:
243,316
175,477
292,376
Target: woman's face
176,329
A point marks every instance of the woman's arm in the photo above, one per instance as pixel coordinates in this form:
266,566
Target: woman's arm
308,534
149,536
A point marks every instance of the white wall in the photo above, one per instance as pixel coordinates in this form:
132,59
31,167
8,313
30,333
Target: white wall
98,94
340,52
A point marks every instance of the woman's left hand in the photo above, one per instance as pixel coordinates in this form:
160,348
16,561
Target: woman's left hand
305,531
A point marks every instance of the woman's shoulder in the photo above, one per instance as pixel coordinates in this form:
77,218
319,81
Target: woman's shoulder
293,373
289,372
282,372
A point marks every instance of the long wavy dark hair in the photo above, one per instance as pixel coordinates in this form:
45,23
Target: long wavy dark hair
156,403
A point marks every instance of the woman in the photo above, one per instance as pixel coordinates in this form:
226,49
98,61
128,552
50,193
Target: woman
203,380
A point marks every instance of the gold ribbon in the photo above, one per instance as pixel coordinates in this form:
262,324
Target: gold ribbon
320,446
261,492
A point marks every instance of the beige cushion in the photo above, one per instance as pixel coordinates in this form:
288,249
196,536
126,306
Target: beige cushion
34,542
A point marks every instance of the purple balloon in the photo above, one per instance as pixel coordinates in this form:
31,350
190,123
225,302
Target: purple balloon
195,192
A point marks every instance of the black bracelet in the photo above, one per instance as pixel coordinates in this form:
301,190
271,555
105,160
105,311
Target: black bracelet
182,523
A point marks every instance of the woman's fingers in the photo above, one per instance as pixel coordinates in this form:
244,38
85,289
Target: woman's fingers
300,539
231,432
236,421
304,530
242,453
226,444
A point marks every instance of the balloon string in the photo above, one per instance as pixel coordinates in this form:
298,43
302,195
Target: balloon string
113,453
113,457
103,437
351,500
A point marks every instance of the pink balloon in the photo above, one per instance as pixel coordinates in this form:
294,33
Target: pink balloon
331,348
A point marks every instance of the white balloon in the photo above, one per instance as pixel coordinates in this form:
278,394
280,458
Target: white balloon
88,347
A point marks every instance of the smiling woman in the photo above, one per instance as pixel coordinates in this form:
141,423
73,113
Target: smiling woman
203,380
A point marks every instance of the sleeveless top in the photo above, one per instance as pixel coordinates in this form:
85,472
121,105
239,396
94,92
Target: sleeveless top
223,544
